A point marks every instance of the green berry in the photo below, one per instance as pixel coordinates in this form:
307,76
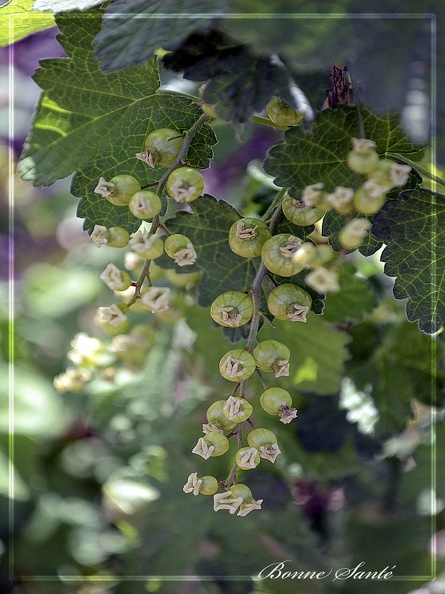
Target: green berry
247,237
145,204
271,355
232,309
247,458
119,189
162,147
185,184
209,485
273,400
362,162
299,214
237,410
367,205
282,114
217,440
118,237
289,302
278,254
261,437
237,365
215,416
180,249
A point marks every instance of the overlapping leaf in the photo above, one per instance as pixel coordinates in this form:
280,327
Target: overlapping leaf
240,82
318,353
95,123
134,29
402,368
355,298
413,228
319,155
18,20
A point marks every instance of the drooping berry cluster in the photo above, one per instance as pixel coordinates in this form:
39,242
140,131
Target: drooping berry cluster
284,255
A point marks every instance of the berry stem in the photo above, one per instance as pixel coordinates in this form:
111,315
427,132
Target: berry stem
138,284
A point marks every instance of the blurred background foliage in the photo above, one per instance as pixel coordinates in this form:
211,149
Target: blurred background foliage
98,474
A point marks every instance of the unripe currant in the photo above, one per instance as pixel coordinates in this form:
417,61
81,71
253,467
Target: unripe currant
247,458
247,237
353,233
119,189
180,249
277,401
282,114
232,309
289,302
185,184
147,245
299,214
271,355
363,158
215,416
390,174
278,254
237,410
162,147
266,443
118,237
237,365
213,444
145,204
206,485
187,279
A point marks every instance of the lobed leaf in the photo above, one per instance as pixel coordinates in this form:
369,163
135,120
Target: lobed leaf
134,29
413,229
319,154
354,299
18,20
94,123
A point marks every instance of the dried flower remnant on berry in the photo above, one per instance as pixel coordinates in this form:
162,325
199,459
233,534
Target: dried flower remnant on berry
99,236
245,232
203,449
211,428
374,190
399,174
358,228
287,414
112,315
226,501
311,194
114,278
85,351
105,188
323,280
156,299
292,246
147,158
270,452
247,458
281,368
237,409
362,145
193,484
233,367
341,198
186,256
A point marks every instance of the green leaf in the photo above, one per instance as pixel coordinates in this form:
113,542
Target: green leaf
66,5
319,154
401,369
240,82
355,297
18,20
318,353
95,123
413,228
132,30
